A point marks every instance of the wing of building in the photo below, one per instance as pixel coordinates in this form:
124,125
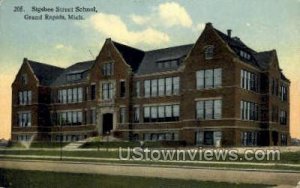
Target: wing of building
217,91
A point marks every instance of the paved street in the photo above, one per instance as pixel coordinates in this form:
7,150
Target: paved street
237,176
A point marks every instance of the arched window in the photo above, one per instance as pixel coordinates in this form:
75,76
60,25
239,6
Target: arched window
209,52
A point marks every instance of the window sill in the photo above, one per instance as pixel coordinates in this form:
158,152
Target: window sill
212,88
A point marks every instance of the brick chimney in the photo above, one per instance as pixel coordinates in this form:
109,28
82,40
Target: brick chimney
229,33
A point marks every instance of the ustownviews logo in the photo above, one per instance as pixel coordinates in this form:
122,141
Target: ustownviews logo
199,154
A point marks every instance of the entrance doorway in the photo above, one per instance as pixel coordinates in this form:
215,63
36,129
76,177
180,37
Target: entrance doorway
107,122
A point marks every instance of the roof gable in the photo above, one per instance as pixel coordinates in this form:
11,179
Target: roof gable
45,73
131,55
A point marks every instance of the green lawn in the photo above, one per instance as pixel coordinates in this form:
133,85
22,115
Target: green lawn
285,157
22,178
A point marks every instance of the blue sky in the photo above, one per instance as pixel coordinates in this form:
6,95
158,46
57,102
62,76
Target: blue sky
263,25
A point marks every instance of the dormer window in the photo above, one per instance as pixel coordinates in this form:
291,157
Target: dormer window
209,52
168,63
73,77
245,55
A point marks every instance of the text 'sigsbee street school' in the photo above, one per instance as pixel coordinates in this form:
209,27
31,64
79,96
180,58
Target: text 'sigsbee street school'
48,13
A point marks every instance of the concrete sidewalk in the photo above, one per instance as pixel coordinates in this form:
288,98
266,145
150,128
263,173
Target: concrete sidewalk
160,161
282,179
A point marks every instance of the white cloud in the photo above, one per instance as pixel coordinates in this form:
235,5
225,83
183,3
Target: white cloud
140,20
248,24
62,47
113,26
174,14
166,14
199,27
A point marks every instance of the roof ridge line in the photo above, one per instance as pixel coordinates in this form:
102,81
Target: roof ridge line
128,46
170,47
46,64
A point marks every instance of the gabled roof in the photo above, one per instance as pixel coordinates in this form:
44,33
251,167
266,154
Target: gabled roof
131,55
45,73
283,77
236,44
78,68
263,59
151,58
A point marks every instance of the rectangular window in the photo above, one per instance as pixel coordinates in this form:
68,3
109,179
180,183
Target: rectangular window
153,88
21,102
283,117
153,113
176,112
69,118
79,117
107,69
249,80
283,93
161,113
24,119
122,114
29,96
64,96
209,109
69,95
147,88
242,110
249,110
93,92
249,138
217,77
136,116
122,89
75,94
25,97
242,79
200,79
146,114
200,110
80,94
59,96
168,86
74,118
168,111
161,87
209,78
176,83
137,89
217,109
107,91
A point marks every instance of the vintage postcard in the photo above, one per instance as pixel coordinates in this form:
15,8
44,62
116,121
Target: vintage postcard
137,93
